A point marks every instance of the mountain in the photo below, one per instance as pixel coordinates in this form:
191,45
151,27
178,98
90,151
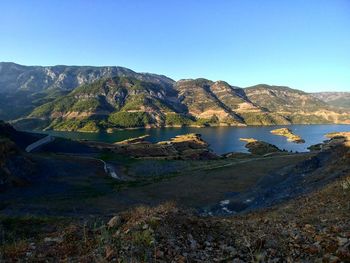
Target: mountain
283,99
203,99
230,105
22,88
127,102
337,99
296,106
83,98
122,102
14,77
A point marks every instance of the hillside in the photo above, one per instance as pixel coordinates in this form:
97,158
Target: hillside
295,105
22,88
337,99
204,100
127,102
121,102
15,168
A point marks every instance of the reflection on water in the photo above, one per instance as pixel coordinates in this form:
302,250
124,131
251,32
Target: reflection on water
221,139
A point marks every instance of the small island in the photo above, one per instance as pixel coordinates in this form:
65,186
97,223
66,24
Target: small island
259,147
288,134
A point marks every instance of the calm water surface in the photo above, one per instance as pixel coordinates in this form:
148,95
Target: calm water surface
221,139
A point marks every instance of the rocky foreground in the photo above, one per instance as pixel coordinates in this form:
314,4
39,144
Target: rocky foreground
313,227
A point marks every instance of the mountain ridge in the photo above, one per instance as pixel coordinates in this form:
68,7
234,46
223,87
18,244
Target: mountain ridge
338,99
88,98
23,88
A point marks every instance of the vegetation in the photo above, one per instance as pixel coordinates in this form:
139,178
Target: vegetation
62,104
162,105
262,118
139,101
214,120
341,102
135,102
86,105
83,125
176,119
123,119
308,119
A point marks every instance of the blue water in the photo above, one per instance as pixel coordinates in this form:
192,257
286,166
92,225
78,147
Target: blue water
221,139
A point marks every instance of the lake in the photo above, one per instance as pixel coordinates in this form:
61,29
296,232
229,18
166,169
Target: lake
221,139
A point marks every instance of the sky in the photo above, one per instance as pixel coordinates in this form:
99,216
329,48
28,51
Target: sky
296,43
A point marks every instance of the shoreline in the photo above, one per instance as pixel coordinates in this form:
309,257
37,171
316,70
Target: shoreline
214,136
180,127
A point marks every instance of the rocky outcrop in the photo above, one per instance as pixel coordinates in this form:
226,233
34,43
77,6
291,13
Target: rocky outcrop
338,135
188,146
288,134
259,147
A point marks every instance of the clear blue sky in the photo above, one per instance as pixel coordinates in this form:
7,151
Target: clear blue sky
304,44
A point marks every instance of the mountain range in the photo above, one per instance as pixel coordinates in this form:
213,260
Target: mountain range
337,99
84,98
